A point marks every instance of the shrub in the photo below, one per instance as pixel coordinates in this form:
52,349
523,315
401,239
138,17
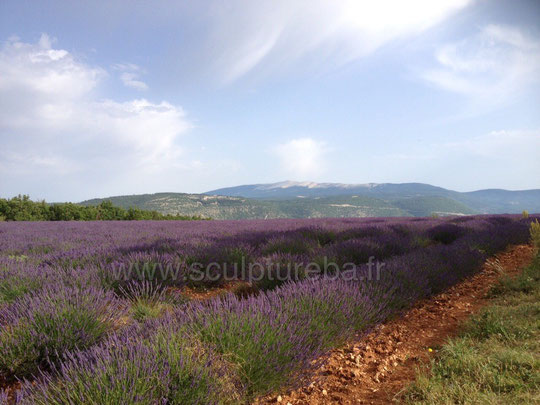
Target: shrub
152,266
9,291
355,251
278,269
422,242
163,366
21,208
273,335
287,245
320,235
525,214
361,232
535,233
40,327
500,220
445,233
12,288
19,276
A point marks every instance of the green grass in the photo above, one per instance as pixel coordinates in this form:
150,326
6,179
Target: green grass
143,310
148,300
12,288
496,358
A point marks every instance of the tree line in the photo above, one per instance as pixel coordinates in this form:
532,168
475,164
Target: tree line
22,208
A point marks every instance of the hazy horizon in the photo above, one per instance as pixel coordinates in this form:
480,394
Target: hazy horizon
119,98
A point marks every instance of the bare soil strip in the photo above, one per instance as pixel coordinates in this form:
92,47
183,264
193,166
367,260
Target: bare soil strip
375,368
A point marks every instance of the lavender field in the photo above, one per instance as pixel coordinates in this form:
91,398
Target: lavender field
97,312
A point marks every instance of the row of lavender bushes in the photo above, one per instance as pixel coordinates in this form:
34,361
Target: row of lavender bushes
83,339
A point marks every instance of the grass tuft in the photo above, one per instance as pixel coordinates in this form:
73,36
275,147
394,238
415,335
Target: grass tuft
495,359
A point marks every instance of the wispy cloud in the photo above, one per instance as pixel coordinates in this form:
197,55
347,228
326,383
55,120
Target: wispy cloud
302,158
491,67
130,74
270,36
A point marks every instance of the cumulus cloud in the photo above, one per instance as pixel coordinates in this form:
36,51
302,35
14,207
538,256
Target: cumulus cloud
493,66
44,72
272,35
52,121
129,75
302,158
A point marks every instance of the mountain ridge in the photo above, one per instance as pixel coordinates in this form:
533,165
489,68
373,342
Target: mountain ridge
291,199
489,201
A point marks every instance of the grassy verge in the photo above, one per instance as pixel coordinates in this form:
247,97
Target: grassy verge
496,358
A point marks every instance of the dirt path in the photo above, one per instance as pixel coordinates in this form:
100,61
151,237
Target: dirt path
378,366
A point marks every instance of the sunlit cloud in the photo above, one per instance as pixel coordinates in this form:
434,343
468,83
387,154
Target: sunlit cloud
271,36
491,67
302,158
52,120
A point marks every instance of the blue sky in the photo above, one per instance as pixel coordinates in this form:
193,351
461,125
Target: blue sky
119,97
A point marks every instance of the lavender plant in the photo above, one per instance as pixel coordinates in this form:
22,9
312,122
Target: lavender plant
153,364
61,306
39,327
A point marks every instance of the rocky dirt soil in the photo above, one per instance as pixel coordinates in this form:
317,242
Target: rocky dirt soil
376,367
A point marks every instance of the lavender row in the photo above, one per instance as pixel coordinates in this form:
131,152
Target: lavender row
110,250
228,350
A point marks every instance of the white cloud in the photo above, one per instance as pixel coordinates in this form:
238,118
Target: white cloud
269,36
51,121
130,76
58,74
492,67
302,158
130,80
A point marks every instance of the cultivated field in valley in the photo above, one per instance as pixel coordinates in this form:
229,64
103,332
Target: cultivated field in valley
111,312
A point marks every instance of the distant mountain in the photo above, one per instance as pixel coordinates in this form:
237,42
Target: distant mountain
494,201
226,207
314,200
217,207
293,189
482,201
